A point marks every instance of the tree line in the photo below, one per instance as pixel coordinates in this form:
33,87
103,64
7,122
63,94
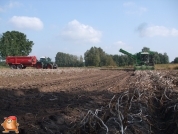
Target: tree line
13,43
97,57
68,60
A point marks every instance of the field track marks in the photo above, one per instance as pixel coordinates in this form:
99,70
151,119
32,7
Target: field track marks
102,82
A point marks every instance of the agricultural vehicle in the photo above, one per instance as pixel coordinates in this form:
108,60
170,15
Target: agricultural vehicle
142,60
21,62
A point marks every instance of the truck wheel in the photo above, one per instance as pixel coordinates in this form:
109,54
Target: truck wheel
38,65
54,66
19,66
13,67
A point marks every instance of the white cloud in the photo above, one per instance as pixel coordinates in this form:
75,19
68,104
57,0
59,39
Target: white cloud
128,4
152,31
10,6
24,22
120,44
78,32
133,9
14,4
156,31
116,46
174,32
1,9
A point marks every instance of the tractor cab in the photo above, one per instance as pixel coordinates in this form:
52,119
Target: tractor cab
43,59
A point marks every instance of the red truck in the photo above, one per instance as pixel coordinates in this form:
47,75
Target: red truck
21,62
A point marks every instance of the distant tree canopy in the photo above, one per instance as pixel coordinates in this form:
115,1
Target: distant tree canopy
161,58
123,60
68,60
49,59
14,43
176,60
97,57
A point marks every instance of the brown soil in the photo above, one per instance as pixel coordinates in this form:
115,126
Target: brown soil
54,102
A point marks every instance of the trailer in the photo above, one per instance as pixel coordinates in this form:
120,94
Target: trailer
21,62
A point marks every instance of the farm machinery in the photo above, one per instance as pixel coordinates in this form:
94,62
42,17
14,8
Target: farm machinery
21,62
142,60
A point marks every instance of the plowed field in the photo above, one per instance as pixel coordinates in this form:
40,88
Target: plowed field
85,100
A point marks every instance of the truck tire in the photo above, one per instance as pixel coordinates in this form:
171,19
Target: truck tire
13,66
24,67
55,66
20,66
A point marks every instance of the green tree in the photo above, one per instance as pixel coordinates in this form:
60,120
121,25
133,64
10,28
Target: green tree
110,61
97,57
81,63
103,57
176,60
68,60
156,58
92,57
15,43
49,59
116,59
166,58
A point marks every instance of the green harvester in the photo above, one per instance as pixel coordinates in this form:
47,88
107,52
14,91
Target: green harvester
143,60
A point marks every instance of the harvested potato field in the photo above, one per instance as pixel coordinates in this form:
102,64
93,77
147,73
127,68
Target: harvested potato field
90,101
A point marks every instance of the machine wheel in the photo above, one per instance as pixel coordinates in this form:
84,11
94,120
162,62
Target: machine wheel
20,66
13,66
54,66
49,66
38,65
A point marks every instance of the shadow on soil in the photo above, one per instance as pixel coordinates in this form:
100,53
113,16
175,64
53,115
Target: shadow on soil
57,112
48,112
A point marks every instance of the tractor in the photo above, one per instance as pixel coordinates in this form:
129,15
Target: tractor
45,63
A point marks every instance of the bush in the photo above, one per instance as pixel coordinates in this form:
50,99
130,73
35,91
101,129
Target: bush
3,64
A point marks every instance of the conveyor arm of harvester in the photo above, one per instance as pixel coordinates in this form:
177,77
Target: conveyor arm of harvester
127,53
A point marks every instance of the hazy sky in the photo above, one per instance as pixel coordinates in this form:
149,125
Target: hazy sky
74,26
